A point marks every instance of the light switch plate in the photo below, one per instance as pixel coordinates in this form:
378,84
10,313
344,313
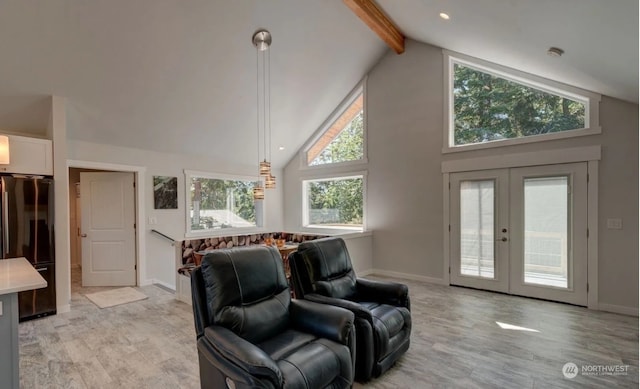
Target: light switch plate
614,224
0,308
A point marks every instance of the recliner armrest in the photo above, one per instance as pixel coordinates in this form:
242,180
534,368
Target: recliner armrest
388,292
325,321
198,301
358,310
244,354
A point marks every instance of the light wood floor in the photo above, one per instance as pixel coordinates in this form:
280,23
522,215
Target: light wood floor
456,343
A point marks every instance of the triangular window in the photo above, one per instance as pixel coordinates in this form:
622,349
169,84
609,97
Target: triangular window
343,139
493,105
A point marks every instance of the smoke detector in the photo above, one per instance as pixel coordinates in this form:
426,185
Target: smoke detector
555,52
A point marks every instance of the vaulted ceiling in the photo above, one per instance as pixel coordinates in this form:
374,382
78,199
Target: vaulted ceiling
180,76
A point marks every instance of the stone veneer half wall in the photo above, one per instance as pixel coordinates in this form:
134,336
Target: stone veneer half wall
190,248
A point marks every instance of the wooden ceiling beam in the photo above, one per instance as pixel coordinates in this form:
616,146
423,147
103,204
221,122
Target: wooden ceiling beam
369,12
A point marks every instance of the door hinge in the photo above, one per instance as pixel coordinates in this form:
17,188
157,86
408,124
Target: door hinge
587,232
135,267
134,226
449,227
587,177
449,269
587,287
134,184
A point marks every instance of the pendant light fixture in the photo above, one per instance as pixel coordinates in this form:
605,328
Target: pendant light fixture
4,150
270,182
262,41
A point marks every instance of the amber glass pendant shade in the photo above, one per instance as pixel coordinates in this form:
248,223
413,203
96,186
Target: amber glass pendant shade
258,192
270,182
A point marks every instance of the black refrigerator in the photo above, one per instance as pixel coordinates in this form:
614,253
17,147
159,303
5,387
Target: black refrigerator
26,230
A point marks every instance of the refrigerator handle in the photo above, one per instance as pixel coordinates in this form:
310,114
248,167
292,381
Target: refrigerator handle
5,221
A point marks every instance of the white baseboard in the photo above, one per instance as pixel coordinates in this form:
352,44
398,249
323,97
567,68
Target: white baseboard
631,311
165,285
146,282
184,299
413,277
63,308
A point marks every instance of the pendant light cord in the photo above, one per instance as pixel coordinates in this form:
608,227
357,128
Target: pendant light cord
258,100
264,105
268,107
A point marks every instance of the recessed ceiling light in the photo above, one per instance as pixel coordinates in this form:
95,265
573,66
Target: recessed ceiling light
555,52
281,148
444,16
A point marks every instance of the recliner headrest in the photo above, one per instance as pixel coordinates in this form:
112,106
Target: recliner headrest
247,290
328,266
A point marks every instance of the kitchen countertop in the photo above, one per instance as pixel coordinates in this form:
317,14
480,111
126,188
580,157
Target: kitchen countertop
17,275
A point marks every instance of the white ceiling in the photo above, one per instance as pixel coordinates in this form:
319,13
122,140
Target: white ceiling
599,37
179,76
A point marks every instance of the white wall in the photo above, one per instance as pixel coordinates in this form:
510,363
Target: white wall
404,124
160,255
618,198
405,189
74,253
360,251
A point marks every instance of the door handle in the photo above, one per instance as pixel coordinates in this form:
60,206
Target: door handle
83,235
504,239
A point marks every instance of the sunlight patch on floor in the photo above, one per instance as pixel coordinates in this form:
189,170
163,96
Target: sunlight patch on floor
506,326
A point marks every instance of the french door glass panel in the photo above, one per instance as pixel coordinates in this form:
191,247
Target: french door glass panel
478,227
477,223
546,231
548,221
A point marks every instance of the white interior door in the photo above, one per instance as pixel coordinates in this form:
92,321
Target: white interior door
107,229
521,231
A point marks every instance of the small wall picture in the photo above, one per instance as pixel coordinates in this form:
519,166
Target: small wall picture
165,192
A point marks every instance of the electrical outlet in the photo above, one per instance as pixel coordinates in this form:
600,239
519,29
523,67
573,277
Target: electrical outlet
614,224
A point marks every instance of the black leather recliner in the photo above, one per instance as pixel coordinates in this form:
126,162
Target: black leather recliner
250,334
321,271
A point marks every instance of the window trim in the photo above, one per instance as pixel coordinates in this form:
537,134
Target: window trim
590,99
189,174
359,89
329,177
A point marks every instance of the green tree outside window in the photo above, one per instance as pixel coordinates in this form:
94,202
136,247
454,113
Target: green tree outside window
488,108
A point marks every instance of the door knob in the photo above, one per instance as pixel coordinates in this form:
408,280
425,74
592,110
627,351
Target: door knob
504,230
85,235
504,239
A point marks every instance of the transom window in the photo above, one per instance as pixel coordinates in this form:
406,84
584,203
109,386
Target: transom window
492,106
336,202
342,139
218,202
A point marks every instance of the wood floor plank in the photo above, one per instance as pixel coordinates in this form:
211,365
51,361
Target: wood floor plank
456,342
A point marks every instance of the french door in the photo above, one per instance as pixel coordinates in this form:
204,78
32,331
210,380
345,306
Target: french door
521,231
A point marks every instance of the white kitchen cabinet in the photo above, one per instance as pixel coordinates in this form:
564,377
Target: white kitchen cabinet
29,156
